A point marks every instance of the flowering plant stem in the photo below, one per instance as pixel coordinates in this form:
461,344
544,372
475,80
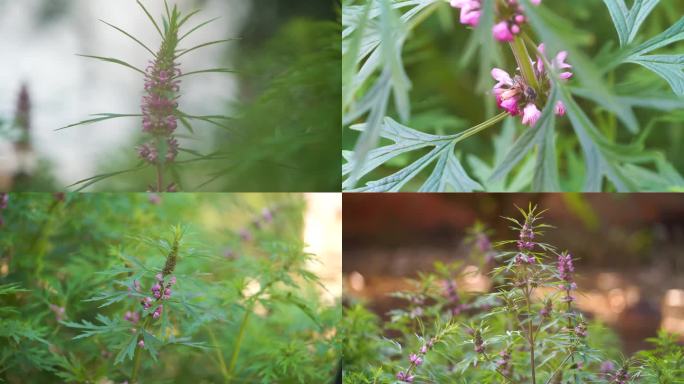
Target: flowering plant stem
505,376
238,343
138,356
522,57
530,335
482,126
219,355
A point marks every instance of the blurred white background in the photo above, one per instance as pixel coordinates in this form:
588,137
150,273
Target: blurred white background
39,40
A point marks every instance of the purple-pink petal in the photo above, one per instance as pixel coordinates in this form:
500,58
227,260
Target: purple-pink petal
531,115
502,32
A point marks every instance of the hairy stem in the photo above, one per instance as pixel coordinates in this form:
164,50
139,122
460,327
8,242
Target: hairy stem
570,327
160,168
522,57
137,356
238,343
481,127
530,335
136,365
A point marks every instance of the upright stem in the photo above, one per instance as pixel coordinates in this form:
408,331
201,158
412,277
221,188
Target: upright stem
160,177
531,339
137,356
219,356
238,343
522,57
530,335
570,327
136,365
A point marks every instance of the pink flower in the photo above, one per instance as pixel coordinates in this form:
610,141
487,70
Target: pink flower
531,115
507,91
470,11
157,312
415,359
503,32
405,377
141,344
558,63
559,109
536,2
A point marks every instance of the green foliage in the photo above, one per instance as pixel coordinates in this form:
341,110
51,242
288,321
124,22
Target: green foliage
663,364
286,136
388,42
243,290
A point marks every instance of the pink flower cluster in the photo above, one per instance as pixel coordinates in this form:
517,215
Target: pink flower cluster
416,360
454,299
510,17
566,269
471,10
160,292
525,244
517,97
159,110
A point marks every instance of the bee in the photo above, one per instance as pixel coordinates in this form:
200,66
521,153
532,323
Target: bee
529,93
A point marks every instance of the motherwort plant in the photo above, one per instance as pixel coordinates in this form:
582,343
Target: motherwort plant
160,109
525,329
534,94
145,324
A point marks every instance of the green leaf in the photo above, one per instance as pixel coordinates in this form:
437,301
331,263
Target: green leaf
213,70
128,350
90,329
546,166
628,21
85,183
502,143
449,175
672,35
151,18
448,172
184,51
104,116
131,36
669,67
594,161
115,61
196,28
517,152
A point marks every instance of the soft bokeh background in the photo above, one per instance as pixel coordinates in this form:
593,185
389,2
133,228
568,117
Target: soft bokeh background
630,249
40,40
